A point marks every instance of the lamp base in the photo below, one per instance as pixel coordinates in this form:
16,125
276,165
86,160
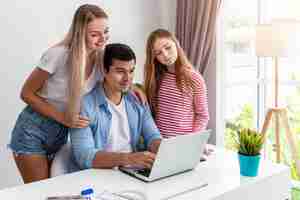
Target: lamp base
281,116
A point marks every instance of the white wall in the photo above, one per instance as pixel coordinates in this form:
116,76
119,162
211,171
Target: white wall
29,27
133,20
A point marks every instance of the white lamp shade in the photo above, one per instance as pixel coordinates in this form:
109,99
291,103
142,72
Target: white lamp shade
281,38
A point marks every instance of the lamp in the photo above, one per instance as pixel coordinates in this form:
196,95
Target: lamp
276,40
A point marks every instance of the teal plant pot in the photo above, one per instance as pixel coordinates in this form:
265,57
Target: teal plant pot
249,165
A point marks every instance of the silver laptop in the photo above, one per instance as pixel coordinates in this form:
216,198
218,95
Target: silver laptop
175,155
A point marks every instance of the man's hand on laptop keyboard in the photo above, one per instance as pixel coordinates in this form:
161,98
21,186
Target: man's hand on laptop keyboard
143,159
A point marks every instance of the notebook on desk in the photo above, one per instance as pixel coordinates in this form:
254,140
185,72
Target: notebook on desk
175,155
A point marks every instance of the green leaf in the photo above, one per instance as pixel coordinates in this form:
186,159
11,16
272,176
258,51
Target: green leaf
248,142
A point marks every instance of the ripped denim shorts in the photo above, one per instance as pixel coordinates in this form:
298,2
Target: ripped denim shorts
36,134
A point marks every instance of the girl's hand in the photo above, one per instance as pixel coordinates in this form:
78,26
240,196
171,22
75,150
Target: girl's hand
140,94
77,122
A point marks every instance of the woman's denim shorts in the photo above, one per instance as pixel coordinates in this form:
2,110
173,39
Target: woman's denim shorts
36,134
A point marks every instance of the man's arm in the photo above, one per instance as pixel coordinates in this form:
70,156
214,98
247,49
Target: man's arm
87,156
83,147
108,159
112,159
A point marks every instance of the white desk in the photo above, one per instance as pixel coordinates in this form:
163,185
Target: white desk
221,172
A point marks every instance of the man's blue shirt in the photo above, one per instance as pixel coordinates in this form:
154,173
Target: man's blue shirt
86,142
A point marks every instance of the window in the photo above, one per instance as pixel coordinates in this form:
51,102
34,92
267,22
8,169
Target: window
248,79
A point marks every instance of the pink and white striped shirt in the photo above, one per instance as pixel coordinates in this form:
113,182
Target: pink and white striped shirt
178,112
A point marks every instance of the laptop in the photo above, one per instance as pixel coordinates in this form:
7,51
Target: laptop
175,155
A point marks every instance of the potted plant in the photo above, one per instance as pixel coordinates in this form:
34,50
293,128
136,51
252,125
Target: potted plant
249,144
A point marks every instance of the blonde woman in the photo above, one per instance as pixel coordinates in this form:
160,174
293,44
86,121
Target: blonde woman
53,91
176,93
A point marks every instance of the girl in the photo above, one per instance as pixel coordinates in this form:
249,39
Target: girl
176,93
53,90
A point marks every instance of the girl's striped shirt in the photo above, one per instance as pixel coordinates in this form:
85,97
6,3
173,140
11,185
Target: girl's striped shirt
178,112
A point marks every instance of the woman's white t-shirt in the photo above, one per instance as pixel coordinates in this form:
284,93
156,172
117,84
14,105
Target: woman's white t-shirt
55,89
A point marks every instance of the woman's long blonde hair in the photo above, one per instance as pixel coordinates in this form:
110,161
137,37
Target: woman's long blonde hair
75,42
154,70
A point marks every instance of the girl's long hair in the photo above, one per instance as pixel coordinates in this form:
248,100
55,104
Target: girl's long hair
154,70
75,42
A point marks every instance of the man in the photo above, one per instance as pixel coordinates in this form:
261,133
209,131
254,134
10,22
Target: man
117,119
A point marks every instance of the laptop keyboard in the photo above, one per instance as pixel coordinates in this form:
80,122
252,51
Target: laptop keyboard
144,172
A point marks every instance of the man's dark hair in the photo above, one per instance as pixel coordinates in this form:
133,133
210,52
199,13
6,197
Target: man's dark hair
117,51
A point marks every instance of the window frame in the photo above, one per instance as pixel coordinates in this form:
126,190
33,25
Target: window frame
262,82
